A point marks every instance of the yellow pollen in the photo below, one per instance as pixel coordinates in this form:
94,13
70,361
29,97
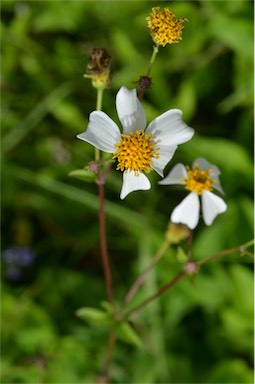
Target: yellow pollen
198,181
165,29
135,152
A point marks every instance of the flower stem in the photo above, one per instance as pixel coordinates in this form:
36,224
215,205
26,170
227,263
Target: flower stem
104,377
181,275
103,241
157,294
153,57
100,92
103,244
241,249
138,282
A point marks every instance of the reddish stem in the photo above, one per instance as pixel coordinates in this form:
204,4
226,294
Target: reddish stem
103,243
139,281
180,276
104,377
157,294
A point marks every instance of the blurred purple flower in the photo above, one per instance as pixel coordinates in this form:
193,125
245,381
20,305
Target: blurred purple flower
20,256
15,258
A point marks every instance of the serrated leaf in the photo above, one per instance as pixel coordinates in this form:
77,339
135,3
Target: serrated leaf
94,316
83,174
127,334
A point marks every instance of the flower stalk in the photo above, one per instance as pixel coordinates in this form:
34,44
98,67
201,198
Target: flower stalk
152,60
99,103
104,377
139,281
103,241
103,244
187,271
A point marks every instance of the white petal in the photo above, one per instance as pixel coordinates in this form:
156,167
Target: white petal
214,174
166,153
169,129
212,205
175,176
130,110
187,212
102,132
133,183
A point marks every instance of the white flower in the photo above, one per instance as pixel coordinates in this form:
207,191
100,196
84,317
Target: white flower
200,180
137,149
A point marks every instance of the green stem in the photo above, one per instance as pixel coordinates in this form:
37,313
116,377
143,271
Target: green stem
181,275
157,294
248,244
153,57
138,282
241,249
100,92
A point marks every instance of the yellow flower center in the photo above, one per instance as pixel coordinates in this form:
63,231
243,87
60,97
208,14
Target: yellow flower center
198,181
165,29
135,152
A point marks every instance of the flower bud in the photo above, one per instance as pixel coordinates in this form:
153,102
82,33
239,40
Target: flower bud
176,233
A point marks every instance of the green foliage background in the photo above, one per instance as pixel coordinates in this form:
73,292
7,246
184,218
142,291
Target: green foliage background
200,331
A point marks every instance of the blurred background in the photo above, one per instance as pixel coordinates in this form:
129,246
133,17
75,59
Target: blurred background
199,332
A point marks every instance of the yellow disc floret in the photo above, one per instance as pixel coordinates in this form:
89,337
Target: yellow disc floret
165,29
135,152
198,181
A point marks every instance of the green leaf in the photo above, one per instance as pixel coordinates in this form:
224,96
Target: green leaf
233,32
37,114
231,371
70,115
133,220
186,99
107,306
127,334
83,174
94,316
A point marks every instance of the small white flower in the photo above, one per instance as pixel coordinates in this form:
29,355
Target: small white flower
200,180
138,149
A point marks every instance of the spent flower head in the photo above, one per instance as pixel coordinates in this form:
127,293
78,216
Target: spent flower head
164,27
200,181
98,68
138,149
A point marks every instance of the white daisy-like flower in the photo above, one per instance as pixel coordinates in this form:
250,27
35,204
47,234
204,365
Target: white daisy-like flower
138,149
200,180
